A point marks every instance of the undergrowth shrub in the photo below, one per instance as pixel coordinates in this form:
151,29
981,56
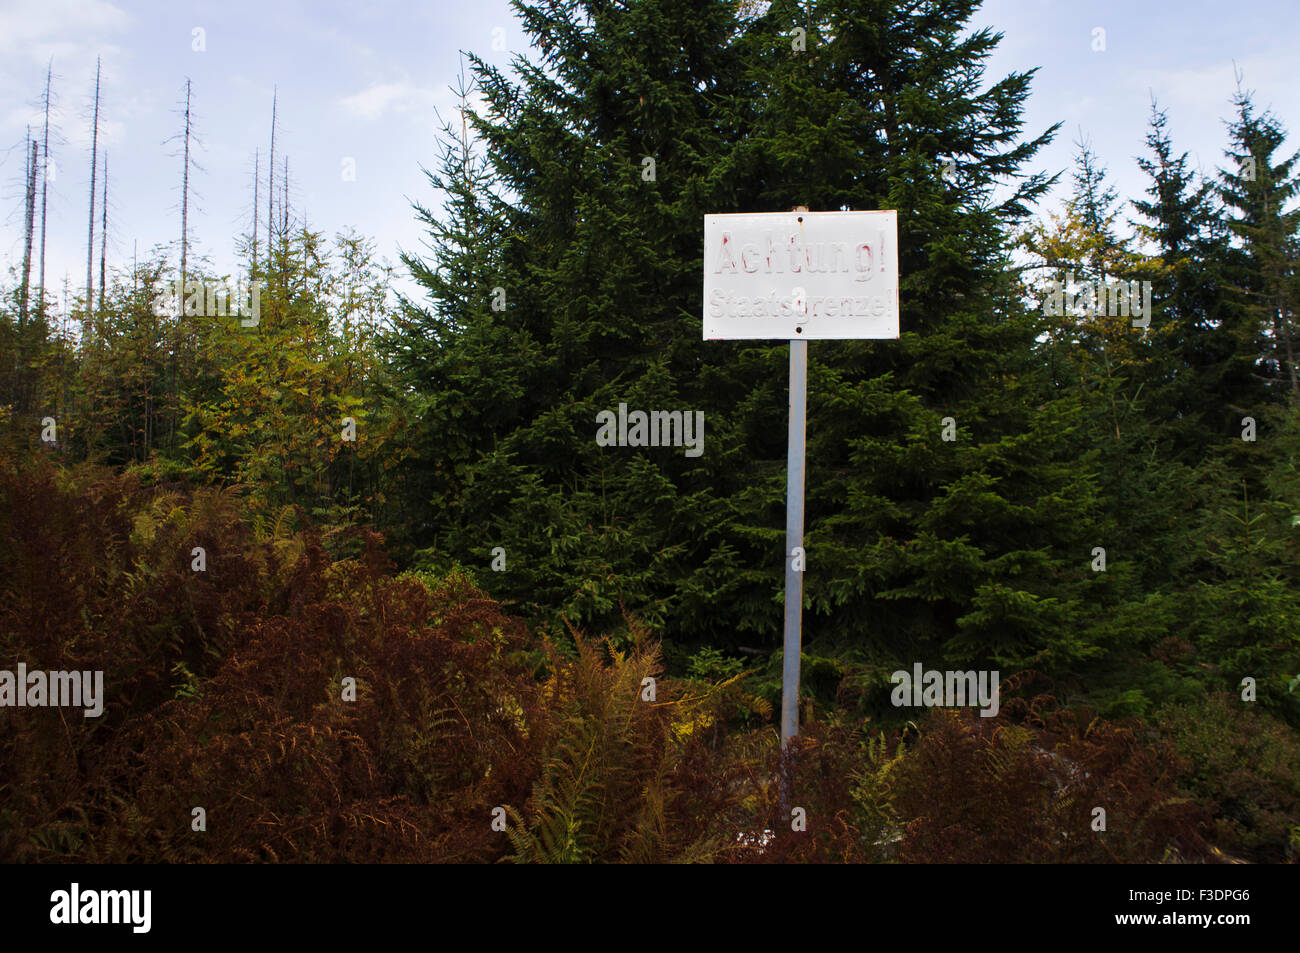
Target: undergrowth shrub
225,691
1244,764
636,768
1023,787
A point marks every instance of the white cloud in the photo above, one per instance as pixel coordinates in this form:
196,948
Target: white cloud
40,28
1212,86
380,98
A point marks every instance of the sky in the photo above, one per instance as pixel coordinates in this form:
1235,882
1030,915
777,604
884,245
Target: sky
361,84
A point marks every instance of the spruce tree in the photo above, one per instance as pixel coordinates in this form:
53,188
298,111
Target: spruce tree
1257,189
918,547
1199,374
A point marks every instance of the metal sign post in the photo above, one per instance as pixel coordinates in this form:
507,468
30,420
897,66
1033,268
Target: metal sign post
794,467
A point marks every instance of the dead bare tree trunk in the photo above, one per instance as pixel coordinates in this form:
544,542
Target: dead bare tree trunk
17,382
103,239
90,229
284,213
177,337
185,195
270,184
252,272
29,220
153,341
45,178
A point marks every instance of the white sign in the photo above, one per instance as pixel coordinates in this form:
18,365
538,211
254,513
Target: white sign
801,275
